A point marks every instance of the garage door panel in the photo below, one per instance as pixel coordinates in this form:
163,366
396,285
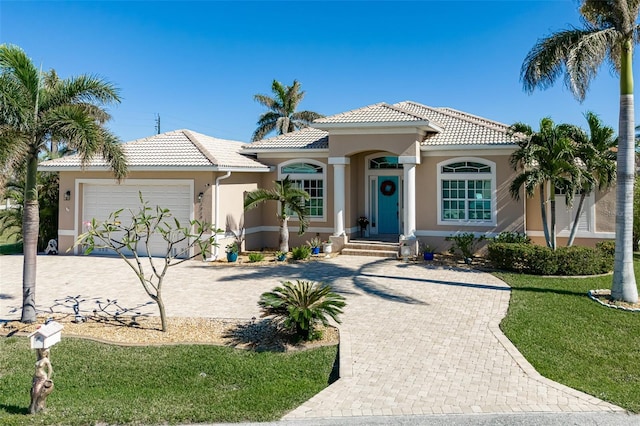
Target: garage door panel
100,200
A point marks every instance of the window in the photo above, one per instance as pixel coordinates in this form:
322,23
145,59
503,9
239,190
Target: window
308,175
386,162
466,192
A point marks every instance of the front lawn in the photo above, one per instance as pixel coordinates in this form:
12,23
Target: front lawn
573,340
99,383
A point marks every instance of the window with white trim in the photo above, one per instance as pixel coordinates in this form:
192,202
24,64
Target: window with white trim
308,175
466,189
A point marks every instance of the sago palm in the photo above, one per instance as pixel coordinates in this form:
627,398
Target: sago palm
546,161
282,116
35,111
301,306
609,35
291,199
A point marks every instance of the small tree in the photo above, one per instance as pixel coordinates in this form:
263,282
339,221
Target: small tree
132,243
291,199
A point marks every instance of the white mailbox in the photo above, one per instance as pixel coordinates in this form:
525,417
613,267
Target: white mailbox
46,336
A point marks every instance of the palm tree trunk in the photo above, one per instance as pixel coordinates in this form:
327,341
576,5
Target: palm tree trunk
553,221
30,225
574,227
284,234
543,214
624,281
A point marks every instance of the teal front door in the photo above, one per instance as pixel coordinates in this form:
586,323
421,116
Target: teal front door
388,205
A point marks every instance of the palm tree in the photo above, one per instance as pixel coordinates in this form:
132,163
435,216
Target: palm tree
35,112
292,200
609,34
597,162
546,159
282,115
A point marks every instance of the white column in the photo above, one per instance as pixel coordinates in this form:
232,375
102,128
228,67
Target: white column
339,165
409,170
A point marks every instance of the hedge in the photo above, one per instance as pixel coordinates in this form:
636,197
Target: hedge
13,248
539,260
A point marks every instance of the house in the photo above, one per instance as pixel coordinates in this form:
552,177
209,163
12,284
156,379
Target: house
413,171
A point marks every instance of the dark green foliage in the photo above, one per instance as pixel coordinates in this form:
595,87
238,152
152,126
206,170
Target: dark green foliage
539,260
301,253
511,237
465,243
182,384
256,257
11,219
12,248
301,306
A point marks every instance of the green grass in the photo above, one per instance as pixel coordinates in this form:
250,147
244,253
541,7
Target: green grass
573,340
98,383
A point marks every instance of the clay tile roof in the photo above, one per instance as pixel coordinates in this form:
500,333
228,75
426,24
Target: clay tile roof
175,149
307,138
377,113
460,128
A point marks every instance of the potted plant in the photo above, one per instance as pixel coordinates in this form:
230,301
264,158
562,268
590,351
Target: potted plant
327,247
315,243
232,252
427,251
363,221
280,256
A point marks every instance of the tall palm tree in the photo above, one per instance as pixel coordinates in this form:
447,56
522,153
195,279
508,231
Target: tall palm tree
282,115
35,112
292,200
609,34
597,162
546,159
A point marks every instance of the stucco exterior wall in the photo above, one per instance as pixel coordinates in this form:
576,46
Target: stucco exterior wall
398,144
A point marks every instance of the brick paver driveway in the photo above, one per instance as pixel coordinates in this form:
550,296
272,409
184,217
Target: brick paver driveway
414,340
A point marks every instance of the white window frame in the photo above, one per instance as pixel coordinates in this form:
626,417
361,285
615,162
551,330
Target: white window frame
308,176
467,177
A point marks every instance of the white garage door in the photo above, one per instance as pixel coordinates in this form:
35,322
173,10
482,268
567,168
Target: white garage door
100,200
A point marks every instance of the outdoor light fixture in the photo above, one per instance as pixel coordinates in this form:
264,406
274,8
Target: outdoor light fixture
67,195
200,195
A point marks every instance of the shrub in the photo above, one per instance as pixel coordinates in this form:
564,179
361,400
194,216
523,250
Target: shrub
301,306
539,260
511,237
465,243
578,260
256,257
301,253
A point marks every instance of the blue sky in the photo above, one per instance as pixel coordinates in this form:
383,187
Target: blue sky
198,64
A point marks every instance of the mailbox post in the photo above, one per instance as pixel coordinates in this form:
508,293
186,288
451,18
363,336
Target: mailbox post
41,386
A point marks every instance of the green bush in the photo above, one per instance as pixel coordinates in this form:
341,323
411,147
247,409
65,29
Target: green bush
12,248
539,260
301,306
465,243
511,237
301,253
256,257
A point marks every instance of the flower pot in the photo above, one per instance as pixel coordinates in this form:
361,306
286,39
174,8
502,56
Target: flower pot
315,250
232,257
428,256
281,257
327,248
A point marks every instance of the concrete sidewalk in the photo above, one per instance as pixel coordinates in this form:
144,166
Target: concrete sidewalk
414,340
